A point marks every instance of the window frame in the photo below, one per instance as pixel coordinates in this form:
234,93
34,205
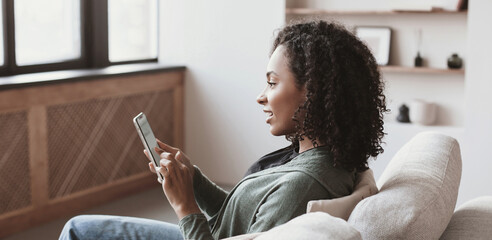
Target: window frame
94,41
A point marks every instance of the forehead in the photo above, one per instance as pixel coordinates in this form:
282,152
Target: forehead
278,61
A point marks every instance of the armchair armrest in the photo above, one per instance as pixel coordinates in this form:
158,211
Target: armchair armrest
343,207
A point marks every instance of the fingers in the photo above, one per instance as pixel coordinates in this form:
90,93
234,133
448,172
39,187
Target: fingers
171,157
158,150
166,147
148,156
179,157
167,169
172,168
167,155
152,168
183,159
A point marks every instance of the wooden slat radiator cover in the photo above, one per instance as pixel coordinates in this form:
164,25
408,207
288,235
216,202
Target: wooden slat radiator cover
70,146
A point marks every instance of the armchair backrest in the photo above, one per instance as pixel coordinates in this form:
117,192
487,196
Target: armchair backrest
419,188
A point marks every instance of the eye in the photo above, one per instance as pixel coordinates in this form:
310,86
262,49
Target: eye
271,84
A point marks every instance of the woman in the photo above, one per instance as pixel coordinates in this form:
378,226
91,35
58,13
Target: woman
324,93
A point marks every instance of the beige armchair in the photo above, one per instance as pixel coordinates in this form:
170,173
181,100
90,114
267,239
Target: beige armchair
416,200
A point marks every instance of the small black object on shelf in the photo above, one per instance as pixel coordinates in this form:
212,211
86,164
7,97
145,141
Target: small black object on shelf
418,60
455,62
403,114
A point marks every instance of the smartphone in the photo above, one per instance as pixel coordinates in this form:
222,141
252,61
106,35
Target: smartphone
148,139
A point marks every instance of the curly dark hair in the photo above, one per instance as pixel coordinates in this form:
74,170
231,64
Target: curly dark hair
345,101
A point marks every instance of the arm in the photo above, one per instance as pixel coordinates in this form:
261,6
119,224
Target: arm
179,177
210,198
286,200
195,226
208,195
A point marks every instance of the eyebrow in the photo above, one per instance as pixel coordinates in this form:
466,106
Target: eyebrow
270,73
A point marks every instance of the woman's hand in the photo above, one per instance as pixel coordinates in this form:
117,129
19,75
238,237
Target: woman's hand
178,179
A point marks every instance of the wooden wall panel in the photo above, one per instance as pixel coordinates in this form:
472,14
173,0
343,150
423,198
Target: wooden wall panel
94,142
70,146
15,189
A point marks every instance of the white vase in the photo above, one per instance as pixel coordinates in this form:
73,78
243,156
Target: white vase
422,112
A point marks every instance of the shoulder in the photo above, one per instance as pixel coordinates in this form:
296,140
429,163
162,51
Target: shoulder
329,180
298,181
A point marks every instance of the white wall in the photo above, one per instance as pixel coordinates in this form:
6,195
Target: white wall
225,46
477,158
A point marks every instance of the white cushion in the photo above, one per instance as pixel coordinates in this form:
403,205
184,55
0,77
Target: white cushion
472,220
418,192
317,225
342,207
249,236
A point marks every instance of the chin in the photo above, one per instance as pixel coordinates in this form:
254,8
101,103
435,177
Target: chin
274,131
278,132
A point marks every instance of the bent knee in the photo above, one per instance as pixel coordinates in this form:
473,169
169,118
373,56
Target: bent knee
81,227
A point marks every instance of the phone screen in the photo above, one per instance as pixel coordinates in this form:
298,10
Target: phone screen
147,137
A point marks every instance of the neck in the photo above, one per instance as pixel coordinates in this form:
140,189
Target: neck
305,145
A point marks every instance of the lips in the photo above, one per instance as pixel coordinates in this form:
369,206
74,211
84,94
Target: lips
269,115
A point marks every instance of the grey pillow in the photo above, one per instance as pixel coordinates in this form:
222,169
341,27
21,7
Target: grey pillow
472,220
418,192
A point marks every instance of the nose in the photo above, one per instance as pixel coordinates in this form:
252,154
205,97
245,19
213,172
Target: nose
261,99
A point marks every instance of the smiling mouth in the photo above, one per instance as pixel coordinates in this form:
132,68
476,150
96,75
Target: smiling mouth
269,116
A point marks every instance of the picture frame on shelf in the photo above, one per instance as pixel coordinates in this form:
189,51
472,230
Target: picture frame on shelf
378,39
462,5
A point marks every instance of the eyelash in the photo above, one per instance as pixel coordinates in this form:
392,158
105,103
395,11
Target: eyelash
271,84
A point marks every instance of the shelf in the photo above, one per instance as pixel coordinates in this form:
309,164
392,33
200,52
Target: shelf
400,69
312,11
411,129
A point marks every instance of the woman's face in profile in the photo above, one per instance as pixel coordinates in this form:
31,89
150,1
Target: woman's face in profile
281,98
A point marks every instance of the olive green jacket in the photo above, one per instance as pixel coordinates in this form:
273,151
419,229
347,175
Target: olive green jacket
267,198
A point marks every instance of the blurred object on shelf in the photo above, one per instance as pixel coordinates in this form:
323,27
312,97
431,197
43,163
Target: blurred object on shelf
403,116
422,112
455,62
418,59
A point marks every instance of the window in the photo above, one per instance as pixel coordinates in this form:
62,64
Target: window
46,31
132,30
2,56
47,35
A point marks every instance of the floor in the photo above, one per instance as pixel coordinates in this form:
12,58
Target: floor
150,204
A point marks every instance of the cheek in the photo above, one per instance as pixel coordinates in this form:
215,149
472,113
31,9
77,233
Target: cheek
283,105
277,102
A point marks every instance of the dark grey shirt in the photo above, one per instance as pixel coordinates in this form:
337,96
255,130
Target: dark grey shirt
274,159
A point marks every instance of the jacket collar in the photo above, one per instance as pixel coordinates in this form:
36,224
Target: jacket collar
317,163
